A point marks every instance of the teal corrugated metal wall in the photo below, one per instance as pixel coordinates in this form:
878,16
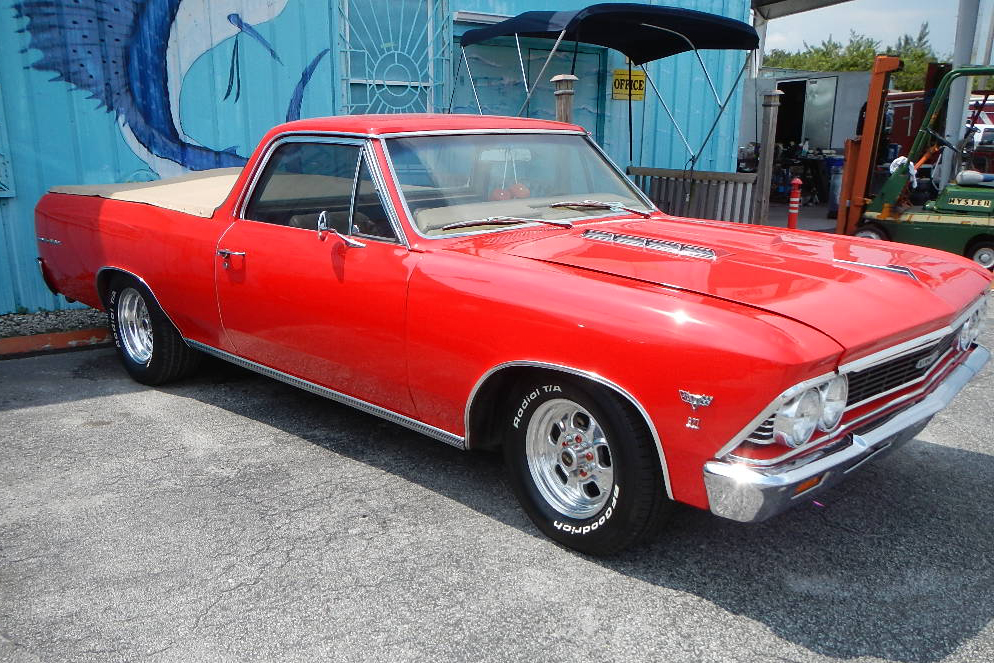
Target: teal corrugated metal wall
210,77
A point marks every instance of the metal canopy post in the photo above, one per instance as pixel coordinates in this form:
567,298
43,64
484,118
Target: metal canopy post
542,71
521,61
721,109
707,75
455,78
667,109
472,84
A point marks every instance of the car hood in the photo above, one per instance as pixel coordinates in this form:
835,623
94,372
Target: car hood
831,283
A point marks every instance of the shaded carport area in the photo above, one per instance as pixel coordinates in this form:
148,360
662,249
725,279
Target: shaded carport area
231,517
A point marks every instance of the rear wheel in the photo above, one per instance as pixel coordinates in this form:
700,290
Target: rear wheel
583,465
871,231
150,348
983,254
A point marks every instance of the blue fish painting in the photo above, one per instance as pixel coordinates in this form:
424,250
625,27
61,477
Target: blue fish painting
118,52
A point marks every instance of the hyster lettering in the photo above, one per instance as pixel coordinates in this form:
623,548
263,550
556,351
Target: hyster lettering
526,401
592,527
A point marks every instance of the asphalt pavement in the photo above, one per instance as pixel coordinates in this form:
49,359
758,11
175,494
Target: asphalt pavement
231,517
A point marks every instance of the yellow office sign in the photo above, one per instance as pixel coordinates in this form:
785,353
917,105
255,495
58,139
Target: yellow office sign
620,88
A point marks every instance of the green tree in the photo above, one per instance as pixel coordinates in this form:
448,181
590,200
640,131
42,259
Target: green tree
858,54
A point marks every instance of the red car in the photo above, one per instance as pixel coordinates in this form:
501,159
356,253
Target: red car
498,283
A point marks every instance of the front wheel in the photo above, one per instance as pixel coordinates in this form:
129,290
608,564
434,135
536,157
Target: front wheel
150,348
583,465
983,254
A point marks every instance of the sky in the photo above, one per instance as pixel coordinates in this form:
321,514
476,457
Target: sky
885,20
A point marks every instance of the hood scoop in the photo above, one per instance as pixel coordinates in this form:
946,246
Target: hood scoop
653,244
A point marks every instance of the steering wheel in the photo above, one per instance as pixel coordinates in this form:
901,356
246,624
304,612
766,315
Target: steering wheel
941,139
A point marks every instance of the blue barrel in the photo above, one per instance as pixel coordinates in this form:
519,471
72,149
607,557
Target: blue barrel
834,166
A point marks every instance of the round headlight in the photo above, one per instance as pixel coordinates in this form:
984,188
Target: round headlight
796,420
970,331
966,334
834,394
978,324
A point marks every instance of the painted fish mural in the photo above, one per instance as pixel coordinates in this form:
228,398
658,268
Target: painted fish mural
132,56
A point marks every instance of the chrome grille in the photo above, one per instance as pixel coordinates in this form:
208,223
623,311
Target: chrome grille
763,433
666,246
875,380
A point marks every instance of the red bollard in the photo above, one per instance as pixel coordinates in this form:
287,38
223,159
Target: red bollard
794,205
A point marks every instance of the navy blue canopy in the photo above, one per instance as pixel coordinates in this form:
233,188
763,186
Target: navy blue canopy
642,32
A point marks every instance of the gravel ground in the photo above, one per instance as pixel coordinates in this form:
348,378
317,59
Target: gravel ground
25,324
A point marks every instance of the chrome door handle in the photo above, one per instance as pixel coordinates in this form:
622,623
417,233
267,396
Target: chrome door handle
225,253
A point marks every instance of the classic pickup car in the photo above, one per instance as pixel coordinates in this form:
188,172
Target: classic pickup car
497,283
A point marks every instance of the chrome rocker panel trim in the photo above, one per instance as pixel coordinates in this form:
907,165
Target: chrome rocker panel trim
739,492
351,401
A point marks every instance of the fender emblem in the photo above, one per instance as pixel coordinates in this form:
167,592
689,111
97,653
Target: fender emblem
695,400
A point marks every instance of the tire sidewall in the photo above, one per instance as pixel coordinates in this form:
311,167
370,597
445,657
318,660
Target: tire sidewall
617,518
137,370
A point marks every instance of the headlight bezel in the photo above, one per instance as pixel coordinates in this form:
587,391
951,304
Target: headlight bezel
803,410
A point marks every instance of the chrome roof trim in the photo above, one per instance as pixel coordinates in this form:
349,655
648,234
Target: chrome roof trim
359,404
463,132
589,375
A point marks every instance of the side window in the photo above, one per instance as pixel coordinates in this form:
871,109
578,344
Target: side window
369,217
301,180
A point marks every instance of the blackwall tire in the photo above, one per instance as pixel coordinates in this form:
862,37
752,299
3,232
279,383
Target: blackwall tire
982,253
583,465
871,231
150,348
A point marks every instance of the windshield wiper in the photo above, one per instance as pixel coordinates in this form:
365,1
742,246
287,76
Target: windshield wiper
600,204
503,221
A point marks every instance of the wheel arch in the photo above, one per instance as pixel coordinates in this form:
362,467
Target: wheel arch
481,406
979,238
103,279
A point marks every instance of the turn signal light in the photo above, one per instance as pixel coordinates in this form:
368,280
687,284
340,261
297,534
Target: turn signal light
808,484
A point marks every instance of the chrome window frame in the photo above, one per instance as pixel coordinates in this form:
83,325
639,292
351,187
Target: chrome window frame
468,132
364,143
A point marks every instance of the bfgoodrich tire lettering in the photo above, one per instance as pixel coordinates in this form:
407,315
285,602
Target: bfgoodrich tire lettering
583,464
150,348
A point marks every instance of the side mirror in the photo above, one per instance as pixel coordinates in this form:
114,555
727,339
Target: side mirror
324,227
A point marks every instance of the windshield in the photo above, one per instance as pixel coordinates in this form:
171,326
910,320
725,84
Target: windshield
448,181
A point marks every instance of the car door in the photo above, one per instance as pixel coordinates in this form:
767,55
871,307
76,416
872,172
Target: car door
324,305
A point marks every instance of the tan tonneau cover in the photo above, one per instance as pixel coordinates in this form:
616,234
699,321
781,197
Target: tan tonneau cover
197,193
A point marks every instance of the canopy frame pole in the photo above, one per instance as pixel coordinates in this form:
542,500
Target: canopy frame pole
455,78
666,108
472,83
721,109
707,74
521,61
538,79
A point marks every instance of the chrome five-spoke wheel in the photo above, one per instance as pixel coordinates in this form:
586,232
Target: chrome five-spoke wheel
135,326
569,458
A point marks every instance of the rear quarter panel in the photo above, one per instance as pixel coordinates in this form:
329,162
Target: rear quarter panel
171,251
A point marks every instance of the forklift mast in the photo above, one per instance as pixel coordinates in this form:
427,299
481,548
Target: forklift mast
860,152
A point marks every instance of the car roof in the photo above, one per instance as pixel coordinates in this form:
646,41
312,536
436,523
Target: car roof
407,122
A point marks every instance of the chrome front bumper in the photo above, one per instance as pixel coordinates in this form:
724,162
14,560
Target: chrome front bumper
747,494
